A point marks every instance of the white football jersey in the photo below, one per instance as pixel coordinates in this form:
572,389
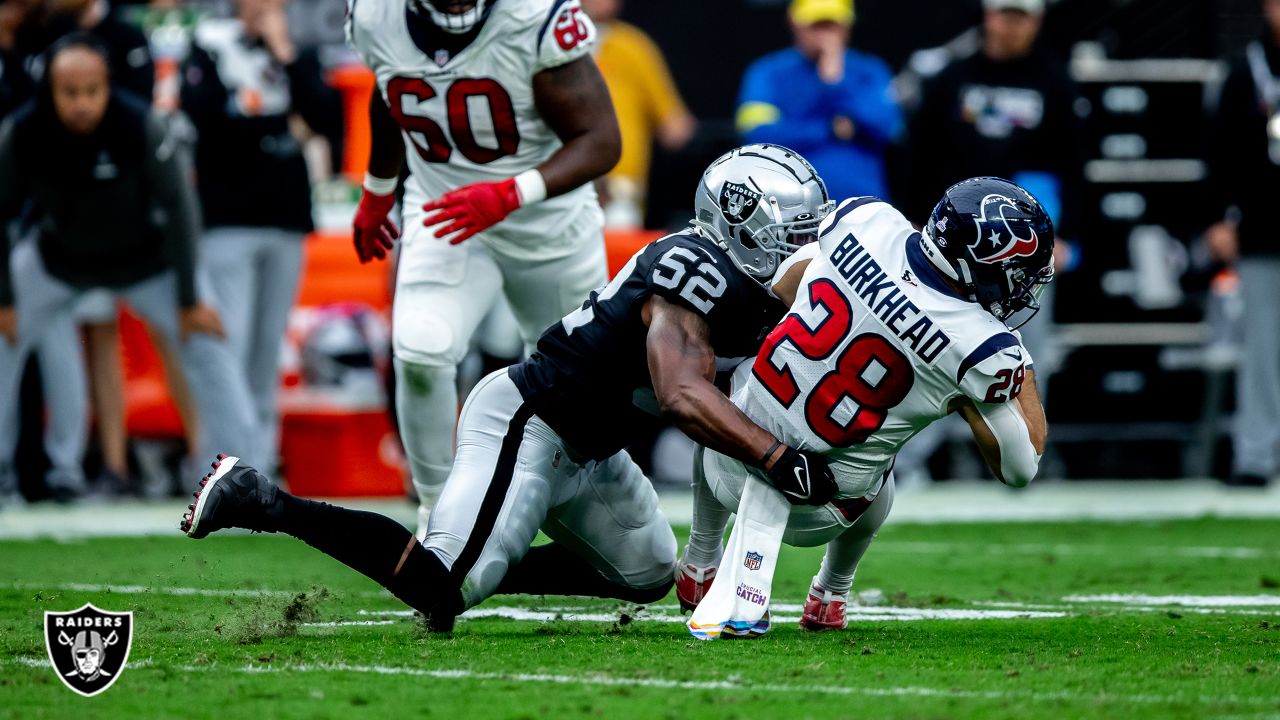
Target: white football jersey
471,117
874,349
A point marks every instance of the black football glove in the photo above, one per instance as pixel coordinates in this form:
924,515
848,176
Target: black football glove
803,478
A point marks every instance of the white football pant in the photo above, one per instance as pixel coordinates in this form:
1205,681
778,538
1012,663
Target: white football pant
847,539
443,293
513,476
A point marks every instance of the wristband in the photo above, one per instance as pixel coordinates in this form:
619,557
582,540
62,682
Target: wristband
531,186
380,186
769,453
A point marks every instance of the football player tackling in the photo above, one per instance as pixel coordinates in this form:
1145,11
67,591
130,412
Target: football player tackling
540,446
890,329
506,122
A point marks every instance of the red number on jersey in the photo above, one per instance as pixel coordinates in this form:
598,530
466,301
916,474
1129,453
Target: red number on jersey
569,28
815,343
871,371
430,140
1006,379
427,136
875,375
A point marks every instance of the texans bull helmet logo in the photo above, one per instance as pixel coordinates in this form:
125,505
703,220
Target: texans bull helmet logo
738,202
996,240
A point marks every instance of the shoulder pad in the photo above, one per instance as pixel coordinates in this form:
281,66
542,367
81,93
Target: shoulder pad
993,372
689,270
565,34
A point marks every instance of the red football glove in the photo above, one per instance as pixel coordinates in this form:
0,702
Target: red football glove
471,209
372,230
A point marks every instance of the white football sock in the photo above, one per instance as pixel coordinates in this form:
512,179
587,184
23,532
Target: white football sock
845,552
427,408
706,536
738,601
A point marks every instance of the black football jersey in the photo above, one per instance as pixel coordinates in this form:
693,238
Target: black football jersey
589,378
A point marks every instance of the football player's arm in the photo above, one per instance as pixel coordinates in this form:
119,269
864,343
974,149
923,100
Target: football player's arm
372,230
682,365
1010,435
574,102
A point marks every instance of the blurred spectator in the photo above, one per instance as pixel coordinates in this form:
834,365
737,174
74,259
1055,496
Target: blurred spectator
648,105
1009,110
242,81
115,210
15,83
128,53
1245,169
832,104
132,70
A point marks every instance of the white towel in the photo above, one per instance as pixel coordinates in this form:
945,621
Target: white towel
737,606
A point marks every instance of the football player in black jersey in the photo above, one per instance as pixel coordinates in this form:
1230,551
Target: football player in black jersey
540,446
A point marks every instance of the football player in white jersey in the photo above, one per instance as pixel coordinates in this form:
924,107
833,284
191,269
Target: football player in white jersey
504,120
890,329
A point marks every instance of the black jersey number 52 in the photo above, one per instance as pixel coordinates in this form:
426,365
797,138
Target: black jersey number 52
699,281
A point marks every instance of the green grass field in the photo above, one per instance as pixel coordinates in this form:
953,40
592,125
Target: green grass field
222,633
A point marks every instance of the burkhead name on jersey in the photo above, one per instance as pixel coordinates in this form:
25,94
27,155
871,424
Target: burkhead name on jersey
872,282
876,251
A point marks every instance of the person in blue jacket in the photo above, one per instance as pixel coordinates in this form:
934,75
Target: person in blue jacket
832,104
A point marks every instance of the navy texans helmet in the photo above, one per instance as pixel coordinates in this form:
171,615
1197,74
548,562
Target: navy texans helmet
995,240
456,17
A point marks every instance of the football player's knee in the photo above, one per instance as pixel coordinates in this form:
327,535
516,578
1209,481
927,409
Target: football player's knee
658,571
428,340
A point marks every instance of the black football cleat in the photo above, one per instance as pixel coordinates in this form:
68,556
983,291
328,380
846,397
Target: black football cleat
232,496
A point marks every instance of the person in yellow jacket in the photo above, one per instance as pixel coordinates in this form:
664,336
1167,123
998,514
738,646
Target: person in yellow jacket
648,105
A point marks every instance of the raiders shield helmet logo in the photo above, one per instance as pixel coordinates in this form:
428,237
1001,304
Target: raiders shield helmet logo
88,647
753,560
996,240
738,202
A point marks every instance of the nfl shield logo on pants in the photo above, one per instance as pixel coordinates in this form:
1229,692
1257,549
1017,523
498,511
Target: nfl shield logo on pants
88,647
753,560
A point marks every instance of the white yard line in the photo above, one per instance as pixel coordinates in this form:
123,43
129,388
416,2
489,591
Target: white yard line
1166,607
964,502
737,684
855,614
178,591
1206,601
950,548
